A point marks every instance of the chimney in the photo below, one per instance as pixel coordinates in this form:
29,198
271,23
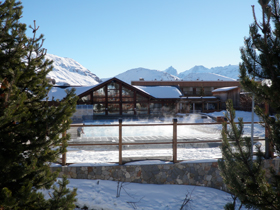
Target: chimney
141,79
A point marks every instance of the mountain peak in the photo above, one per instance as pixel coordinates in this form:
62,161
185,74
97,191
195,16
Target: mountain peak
146,74
171,70
70,72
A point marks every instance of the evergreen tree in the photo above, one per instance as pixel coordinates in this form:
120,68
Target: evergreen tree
260,75
30,129
260,69
244,177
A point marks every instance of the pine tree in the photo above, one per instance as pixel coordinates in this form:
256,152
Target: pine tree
30,129
244,177
260,75
260,69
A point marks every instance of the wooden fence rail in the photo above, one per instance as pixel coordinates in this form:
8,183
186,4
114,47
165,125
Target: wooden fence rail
120,144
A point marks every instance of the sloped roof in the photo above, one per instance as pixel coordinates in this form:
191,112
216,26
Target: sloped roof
60,93
224,89
161,91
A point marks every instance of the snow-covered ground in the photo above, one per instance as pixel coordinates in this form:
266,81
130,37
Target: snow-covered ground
101,194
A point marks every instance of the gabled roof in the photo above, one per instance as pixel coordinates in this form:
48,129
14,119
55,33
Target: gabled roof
161,92
109,81
156,92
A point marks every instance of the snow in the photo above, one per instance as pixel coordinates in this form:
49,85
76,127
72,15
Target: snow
199,97
172,71
67,71
205,132
161,91
222,73
146,74
224,89
102,194
206,77
59,93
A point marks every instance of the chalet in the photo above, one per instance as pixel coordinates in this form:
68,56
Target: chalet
115,97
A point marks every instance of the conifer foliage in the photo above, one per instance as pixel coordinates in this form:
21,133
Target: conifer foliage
244,177
260,69
259,74
30,129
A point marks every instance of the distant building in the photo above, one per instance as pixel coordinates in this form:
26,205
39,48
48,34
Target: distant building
204,96
114,97
226,93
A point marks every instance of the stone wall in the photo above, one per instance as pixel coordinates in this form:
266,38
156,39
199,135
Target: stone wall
187,173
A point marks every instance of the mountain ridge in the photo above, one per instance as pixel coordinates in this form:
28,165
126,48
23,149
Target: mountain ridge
68,72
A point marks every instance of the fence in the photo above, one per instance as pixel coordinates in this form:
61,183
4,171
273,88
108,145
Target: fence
120,144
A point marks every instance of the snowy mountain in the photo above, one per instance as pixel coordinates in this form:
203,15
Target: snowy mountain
67,71
194,70
230,71
206,77
226,73
146,74
171,71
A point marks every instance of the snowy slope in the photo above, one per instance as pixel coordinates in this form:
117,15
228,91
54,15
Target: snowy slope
146,74
67,71
230,71
194,70
206,77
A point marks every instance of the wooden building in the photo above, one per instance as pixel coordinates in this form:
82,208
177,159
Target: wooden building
114,97
204,96
191,88
226,93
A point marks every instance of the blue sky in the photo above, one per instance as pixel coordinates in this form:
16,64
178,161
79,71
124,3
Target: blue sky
109,37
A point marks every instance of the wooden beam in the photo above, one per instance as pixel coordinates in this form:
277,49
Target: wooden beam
120,141
174,140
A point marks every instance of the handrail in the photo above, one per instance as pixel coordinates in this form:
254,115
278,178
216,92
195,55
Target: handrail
154,124
174,141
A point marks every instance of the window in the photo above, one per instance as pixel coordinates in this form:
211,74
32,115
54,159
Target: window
127,95
155,108
114,108
99,109
113,92
142,108
99,95
168,107
127,108
84,100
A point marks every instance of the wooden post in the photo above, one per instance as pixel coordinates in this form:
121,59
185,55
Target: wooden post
120,141
64,154
175,140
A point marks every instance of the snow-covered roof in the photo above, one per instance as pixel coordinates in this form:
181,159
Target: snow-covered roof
59,93
199,97
224,89
161,91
